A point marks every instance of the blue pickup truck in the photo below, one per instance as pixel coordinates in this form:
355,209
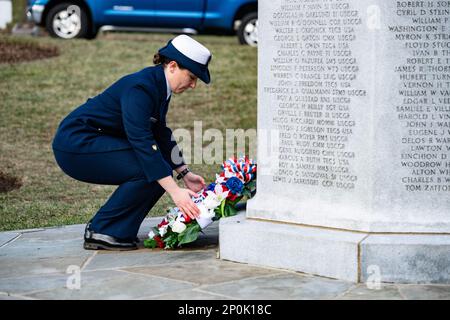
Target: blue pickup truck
69,19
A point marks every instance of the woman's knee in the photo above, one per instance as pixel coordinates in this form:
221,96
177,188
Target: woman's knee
65,162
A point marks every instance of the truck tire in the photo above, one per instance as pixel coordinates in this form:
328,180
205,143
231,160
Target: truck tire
248,29
67,21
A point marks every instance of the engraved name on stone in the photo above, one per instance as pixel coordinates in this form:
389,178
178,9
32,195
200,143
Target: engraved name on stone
423,105
313,71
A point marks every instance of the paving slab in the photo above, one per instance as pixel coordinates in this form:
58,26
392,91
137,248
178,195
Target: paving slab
201,273
146,257
116,285
4,296
363,292
6,237
425,292
194,294
11,267
74,232
286,286
34,248
33,283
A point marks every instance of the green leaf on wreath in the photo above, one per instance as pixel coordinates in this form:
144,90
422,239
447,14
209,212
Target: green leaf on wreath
251,185
150,243
230,211
249,188
234,202
190,234
171,241
246,193
218,214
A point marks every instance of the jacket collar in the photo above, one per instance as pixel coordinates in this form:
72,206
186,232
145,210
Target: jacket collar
161,83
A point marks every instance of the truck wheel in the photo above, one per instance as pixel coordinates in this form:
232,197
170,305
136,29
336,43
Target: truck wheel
248,30
67,21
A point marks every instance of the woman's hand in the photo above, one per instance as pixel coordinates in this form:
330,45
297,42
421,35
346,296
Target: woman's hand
182,199
194,182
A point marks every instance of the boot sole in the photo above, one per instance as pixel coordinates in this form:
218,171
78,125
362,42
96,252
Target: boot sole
99,246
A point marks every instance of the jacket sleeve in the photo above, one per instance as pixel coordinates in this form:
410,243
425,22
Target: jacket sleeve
137,107
169,148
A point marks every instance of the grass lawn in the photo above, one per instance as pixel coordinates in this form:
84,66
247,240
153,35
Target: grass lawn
35,96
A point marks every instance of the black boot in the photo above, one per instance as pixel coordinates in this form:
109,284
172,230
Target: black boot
98,241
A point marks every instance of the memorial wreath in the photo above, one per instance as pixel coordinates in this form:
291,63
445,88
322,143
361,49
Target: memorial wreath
236,181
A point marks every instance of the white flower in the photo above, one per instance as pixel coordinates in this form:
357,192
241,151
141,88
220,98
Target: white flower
179,218
219,179
205,212
178,227
229,174
163,230
151,234
211,201
221,195
172,215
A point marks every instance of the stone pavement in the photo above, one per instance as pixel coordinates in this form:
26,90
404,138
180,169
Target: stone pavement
44,263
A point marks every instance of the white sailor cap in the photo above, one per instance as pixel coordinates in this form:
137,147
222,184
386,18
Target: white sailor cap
190,54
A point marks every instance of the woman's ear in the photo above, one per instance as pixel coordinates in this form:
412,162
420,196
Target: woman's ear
172,65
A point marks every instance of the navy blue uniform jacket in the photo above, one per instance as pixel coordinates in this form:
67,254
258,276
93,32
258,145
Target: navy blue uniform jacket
130,114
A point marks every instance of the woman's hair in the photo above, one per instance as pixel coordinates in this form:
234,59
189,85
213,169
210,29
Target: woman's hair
160,59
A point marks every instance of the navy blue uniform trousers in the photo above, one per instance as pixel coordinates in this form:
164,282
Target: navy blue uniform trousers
120,137
127,207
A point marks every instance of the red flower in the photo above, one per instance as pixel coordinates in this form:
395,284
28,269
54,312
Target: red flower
163,223
159,241
231,196
187,219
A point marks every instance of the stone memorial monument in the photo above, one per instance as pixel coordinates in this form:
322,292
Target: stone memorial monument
353,142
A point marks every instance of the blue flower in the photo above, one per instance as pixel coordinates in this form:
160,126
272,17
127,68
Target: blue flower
235,185
211,187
